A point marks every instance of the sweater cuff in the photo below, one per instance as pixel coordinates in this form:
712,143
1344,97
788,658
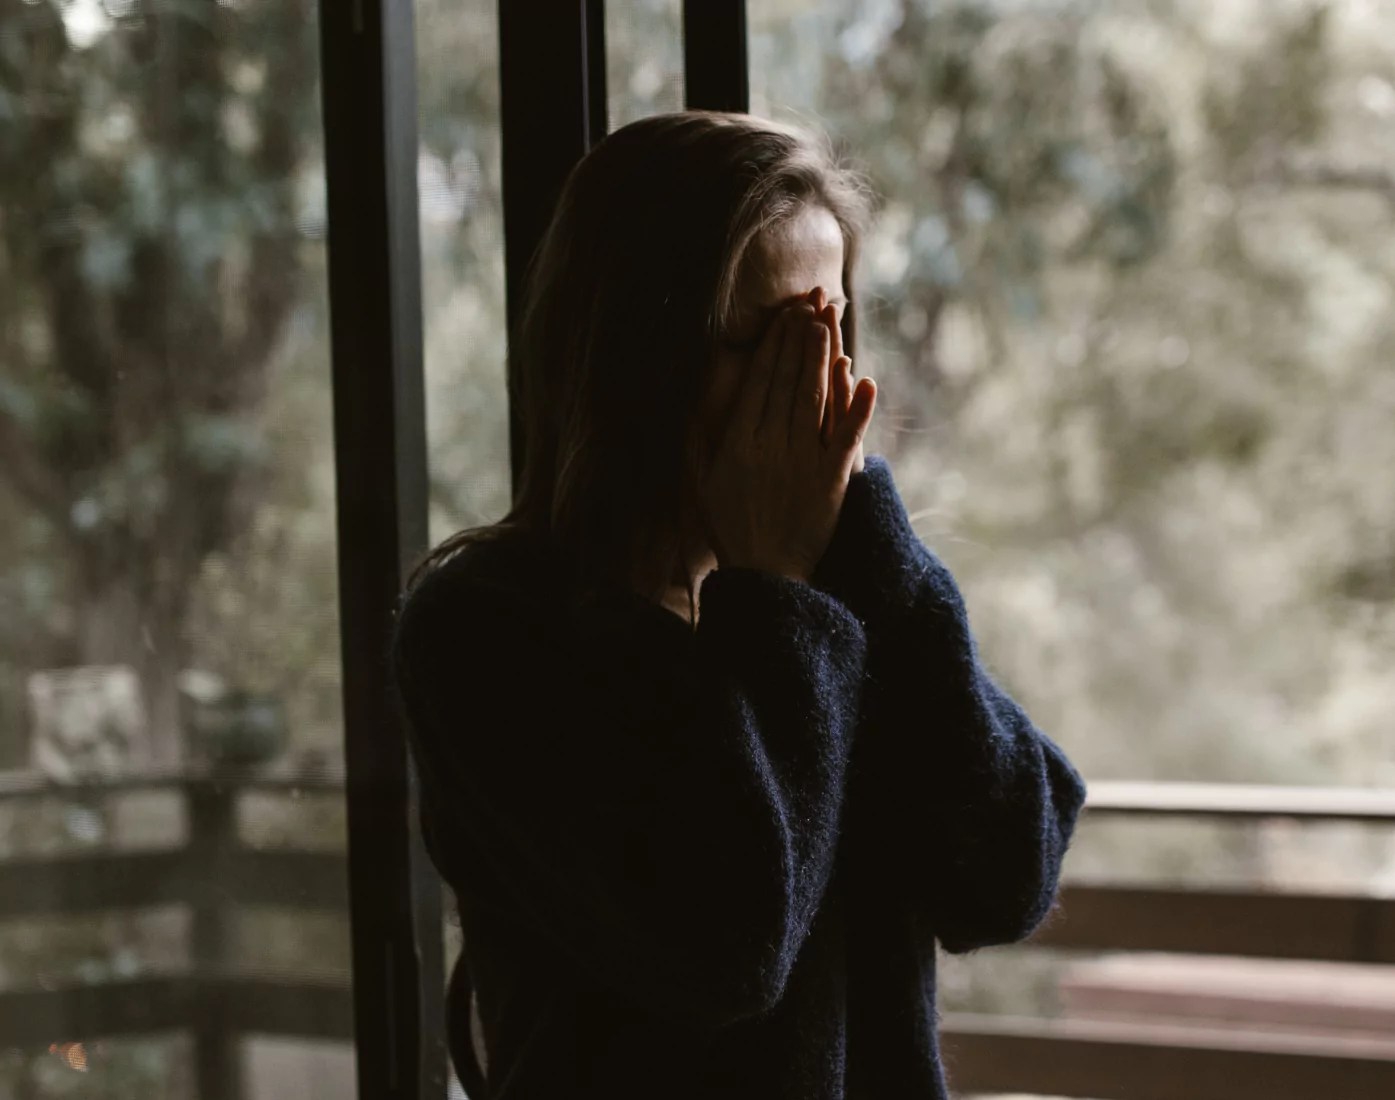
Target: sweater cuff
875,563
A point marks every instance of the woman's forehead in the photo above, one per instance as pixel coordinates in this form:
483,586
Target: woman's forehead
789,259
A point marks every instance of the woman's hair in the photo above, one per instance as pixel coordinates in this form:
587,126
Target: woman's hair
627,297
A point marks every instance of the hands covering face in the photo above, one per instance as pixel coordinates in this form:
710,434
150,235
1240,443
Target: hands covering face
773,486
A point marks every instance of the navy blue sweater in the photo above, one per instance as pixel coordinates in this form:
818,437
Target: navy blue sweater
715,862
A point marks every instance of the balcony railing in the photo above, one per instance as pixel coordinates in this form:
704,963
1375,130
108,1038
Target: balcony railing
214,873
1155,1060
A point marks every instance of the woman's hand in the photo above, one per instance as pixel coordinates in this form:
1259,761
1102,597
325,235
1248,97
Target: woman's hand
840,392
774,484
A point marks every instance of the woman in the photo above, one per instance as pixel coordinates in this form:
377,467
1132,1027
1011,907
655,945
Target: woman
706,753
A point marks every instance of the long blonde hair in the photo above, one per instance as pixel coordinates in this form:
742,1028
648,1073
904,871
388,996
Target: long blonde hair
631,289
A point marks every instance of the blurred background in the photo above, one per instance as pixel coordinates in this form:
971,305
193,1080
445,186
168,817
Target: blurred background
1128,296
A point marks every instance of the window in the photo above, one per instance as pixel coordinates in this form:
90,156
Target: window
171,807
644,59
461,205
1127,298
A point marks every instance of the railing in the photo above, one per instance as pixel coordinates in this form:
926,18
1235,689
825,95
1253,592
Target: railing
1132,1060
215,872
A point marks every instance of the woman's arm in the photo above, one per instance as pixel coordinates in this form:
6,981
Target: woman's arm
663,805
960,802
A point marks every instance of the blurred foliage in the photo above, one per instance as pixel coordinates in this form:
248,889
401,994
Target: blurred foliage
1127,297
644,58
463,262
150,262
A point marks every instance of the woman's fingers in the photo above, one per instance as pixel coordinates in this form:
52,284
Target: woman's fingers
818,298
830,409
853,427
755,386
789,370
834,408
796,387
837,329
840,395
811,396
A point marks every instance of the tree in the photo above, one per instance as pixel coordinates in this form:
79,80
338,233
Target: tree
149,261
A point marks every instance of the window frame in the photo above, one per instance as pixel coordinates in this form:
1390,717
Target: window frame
368,90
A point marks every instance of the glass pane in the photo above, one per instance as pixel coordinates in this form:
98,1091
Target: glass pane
173,920
462,247
644,59
1127,297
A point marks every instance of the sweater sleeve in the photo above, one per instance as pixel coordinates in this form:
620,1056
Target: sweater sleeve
662,804
961,805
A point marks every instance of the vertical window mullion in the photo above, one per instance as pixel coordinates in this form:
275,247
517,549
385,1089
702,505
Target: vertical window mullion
715,72
369,105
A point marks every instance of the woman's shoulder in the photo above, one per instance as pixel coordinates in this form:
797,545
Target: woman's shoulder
515,586
508,573
494,558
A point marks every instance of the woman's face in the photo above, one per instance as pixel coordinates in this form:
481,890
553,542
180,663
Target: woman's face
782,265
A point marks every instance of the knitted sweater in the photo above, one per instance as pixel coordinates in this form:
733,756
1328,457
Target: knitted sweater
715,862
